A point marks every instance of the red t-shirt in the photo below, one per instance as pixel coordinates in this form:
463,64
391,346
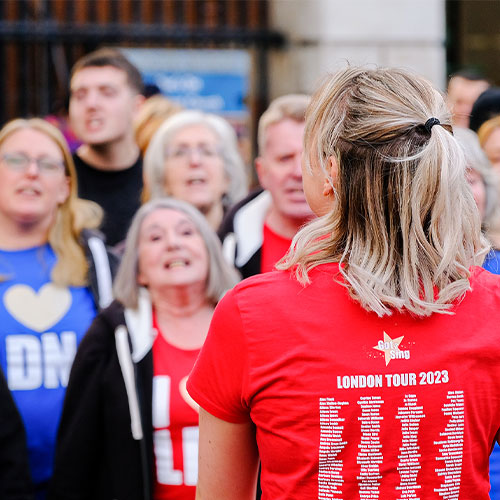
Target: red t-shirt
175,422
351,406
274,247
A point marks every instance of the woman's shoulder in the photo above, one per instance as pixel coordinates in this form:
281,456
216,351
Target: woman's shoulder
484,277
484,291
262,281
100,334
285,284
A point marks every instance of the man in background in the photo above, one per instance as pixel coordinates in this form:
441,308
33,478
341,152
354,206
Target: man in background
105,95
464,87
258,231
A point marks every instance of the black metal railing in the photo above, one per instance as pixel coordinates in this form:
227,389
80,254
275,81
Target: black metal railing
41,39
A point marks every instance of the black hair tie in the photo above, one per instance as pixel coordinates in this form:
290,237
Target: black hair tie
430,123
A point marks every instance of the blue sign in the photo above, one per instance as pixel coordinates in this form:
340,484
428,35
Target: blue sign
215,81
214,93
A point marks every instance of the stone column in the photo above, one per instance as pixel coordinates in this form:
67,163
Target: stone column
324,34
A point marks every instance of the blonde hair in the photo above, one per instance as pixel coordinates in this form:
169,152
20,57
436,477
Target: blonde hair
289,106
153,112
403,227
72,216
487,128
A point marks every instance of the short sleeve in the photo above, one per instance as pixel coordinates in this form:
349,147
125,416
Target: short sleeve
218,377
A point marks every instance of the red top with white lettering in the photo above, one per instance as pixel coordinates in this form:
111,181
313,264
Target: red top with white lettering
351,406
274,247
175,422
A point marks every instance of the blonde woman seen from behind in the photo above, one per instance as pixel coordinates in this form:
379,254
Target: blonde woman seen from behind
361,368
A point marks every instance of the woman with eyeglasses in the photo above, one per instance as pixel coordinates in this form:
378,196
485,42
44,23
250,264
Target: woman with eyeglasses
55,273
194,157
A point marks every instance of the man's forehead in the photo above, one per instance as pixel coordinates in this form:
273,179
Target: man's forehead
284,134
462,85
98,76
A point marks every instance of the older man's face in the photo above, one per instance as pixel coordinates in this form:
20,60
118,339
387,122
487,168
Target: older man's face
279,169
462,94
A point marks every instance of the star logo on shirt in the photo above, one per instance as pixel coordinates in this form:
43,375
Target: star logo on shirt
390,348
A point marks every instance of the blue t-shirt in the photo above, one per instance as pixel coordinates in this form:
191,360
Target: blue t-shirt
492,264
41,325
492,261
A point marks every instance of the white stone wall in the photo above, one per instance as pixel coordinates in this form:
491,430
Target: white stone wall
324,34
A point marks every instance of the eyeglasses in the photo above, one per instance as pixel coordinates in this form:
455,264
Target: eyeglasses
20,162
184,152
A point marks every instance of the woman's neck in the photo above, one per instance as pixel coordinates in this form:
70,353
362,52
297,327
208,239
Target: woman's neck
17,235
183,321
214,215
179,301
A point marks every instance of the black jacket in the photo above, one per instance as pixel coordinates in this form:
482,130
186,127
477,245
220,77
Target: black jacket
103,265
15,481
242,230
105,444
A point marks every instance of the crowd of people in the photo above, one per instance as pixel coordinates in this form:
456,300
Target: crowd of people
169,331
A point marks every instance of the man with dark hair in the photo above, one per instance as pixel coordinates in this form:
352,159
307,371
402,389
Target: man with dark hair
464,87
105,95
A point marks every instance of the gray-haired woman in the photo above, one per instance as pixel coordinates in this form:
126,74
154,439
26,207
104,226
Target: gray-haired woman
482,179
194,157
129,430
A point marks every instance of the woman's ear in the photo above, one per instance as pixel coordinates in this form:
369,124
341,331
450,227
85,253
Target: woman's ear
330,182
64,191
141,279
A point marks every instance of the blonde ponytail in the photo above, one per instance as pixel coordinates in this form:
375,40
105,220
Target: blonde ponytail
404,227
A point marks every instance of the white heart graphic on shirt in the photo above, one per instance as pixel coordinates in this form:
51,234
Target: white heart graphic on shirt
186,397
38,311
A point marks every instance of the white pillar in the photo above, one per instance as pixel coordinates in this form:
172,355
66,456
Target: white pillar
324,34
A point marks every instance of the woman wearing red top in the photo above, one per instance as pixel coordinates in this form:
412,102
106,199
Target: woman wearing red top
129,430
369,366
